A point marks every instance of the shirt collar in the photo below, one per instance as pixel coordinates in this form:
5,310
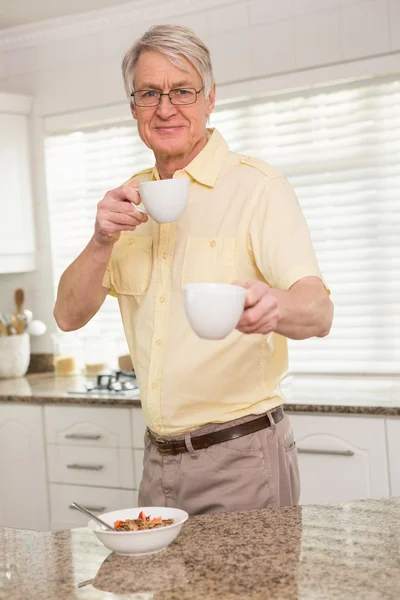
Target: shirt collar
206,166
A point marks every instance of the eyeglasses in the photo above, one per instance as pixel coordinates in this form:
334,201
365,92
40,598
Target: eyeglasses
178,96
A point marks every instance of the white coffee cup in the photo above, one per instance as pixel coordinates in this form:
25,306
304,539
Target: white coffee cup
164,200
213,309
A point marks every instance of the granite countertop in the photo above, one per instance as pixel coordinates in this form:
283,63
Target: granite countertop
348,551
46,388
310,394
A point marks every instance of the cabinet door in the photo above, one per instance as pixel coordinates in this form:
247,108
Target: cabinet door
17,241
138,456
341,458
138,427
393,438
23,493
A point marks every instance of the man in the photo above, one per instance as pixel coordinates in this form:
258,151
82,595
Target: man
217,437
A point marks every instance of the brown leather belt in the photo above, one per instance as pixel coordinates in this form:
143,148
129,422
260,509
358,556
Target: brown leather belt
201,442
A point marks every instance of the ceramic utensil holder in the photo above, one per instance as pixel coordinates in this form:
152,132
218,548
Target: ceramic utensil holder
14,355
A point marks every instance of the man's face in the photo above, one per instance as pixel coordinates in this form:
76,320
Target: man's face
169,129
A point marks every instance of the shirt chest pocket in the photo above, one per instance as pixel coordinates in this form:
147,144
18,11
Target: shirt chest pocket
209,260
131,264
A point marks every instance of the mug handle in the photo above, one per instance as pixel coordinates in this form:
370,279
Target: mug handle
141,210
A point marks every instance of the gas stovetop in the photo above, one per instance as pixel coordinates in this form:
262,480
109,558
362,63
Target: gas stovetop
120,382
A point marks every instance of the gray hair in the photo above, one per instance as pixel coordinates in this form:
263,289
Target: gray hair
174,41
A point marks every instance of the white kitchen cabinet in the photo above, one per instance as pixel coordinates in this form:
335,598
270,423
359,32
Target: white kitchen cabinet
341,458
138,427
17,240
92,426
138,460
97,500
138,431
23,488
106,467
91,461
393,442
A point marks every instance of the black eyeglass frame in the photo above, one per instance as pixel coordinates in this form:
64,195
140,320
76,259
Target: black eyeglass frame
197,92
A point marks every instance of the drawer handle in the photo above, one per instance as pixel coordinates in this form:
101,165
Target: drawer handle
327,452
85,467
82,436
99,509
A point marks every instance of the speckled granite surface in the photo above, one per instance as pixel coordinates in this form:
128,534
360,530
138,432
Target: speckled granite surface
335,395
46,388
349,551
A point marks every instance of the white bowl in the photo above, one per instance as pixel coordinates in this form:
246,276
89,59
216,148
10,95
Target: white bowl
213,309
139,543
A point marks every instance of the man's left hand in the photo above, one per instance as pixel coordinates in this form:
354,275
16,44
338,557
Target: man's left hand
261,312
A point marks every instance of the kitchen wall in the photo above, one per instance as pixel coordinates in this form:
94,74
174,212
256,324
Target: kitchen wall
72,68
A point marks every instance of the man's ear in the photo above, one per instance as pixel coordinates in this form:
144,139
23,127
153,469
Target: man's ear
134,111
210,102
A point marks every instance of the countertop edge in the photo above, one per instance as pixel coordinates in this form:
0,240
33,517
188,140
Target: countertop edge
290,407
382,410
70,400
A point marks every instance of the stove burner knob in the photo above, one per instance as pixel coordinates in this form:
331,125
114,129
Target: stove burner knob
129,385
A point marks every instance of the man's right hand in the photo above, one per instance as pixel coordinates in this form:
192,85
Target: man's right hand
115,213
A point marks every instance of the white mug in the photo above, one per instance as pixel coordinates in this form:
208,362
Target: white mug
213,309
164,200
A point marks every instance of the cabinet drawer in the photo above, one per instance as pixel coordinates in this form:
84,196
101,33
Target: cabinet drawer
108,467
138,427
88,426
98,500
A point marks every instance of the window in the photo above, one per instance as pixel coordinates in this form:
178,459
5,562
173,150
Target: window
80,167
339,148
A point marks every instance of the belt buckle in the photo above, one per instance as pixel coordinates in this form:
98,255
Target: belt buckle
163,446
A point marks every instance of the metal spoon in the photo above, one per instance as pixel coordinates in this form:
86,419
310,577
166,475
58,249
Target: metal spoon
87,512
85,583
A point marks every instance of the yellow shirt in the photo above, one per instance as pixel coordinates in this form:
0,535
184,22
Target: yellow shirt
243,222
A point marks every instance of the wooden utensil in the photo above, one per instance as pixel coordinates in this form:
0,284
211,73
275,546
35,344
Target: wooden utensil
19,326
19,297
17,319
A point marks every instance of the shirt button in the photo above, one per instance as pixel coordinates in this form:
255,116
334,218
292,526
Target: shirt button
165,255
213,243
162,299
131,241
159,342
154,385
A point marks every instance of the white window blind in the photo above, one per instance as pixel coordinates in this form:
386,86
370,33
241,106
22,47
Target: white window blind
80,167
340,150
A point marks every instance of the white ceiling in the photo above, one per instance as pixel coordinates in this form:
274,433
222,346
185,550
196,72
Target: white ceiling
22,12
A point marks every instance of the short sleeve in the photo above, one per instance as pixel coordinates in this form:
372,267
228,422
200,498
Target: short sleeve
279,236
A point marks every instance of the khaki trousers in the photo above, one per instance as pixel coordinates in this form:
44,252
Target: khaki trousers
258,470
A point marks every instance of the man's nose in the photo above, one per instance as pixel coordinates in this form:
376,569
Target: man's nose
166,108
